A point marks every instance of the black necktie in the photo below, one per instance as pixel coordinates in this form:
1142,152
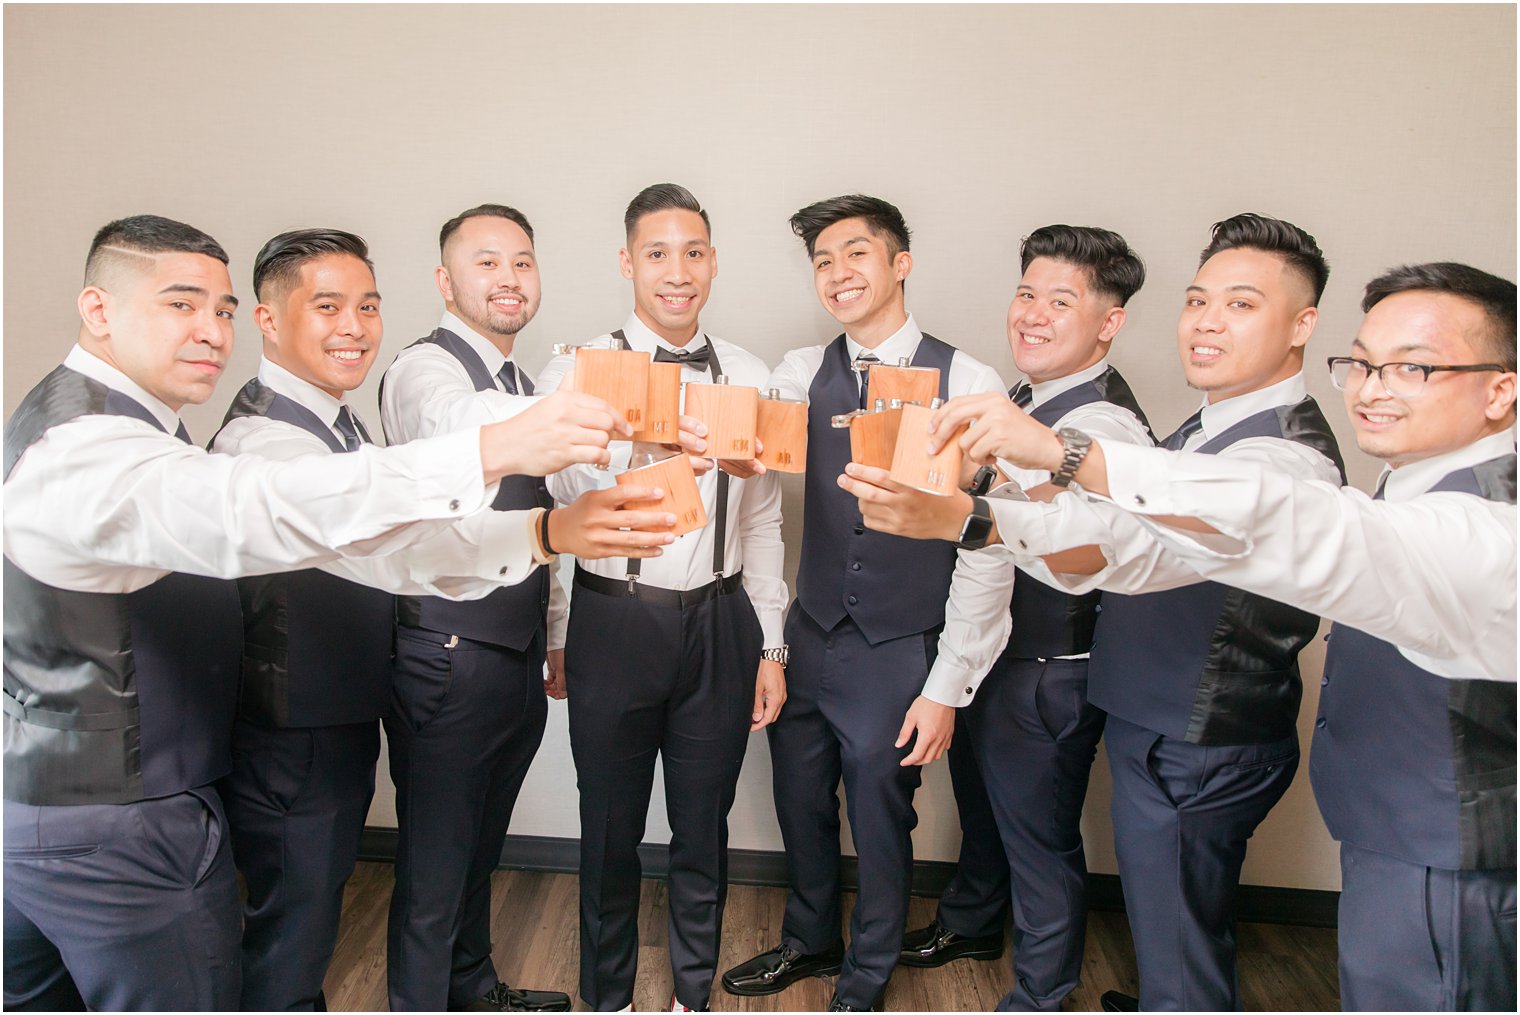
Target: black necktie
1022,395
698,358
345,426
508,377
1189,426
1382,486
182,433
862,366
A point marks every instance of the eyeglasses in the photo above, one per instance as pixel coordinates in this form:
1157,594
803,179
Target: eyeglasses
1401,380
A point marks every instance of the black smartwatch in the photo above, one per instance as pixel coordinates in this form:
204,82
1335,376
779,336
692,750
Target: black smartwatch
978,527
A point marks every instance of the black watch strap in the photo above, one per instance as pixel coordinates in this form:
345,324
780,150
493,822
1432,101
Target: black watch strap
978,527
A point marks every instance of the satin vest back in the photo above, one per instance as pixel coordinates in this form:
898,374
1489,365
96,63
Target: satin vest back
316,647
890,586
1411,764
1208,663
111,698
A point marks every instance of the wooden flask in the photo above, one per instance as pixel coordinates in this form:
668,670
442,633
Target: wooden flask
781,424
662,408
912,465
673,475
620,377
907,384
873,434
729,412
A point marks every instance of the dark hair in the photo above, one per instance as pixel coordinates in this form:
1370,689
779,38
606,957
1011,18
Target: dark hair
279,262
1273,236
1111,266
1495,296
883,219
662,197
145,235
499,211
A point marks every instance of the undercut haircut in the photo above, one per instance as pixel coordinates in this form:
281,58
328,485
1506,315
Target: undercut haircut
1272,236
499,211
1112,267
279,262
882,218
1493,295
662,197
127,242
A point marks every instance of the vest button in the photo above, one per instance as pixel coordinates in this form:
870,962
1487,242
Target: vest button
855,566
853,600
860,530
1319,723
1324,681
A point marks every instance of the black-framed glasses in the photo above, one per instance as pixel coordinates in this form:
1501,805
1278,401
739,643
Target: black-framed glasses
1402,380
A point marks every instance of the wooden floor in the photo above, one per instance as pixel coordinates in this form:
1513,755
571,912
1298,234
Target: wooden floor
535,929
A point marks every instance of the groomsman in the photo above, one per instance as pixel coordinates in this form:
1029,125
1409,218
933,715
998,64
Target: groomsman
1026,735
122,647
1414,745
862,632
680,657
317,644
468,706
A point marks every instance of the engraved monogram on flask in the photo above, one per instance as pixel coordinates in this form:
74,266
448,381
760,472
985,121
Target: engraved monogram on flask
740,444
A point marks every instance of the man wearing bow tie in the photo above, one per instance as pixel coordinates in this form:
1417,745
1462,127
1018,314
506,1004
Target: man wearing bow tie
679,658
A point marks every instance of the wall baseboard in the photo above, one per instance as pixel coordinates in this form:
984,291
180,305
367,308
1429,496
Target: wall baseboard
1303,907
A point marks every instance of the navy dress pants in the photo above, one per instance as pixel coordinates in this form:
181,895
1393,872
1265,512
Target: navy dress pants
1182,814
1032,737
1417,938
649,680
465,723
846,700
296,802
121,907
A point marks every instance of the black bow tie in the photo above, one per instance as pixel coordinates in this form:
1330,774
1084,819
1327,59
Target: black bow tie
697,358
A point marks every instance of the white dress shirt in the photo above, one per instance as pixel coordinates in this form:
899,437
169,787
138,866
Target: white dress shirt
107,503
469,560
1433,573
977,618
1137,559
427,393
981,584
752,539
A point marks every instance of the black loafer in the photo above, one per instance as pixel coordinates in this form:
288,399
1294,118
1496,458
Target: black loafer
837,1005
504,998
773,971
1116,1000
934,946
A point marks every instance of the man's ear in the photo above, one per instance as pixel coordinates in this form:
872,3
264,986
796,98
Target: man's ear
903,265
1303,326
445,284
1112,322
264,318
625,263
1501,398
94,310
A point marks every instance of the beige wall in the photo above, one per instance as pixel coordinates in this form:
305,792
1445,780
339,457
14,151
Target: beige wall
1389,132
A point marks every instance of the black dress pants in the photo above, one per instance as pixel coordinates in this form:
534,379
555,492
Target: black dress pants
296,802
465,723
647,679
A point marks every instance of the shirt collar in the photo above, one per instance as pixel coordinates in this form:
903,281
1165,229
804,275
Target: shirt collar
92,366
1416,478
1220,416
642,338
484,347
901,345
1046,390
303,393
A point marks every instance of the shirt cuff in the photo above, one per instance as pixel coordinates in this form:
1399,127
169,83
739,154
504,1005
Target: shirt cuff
506,546
950,684
1152,481
449,475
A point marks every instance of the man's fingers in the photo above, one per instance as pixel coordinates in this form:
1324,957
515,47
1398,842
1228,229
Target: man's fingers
908,726
644,524
628,493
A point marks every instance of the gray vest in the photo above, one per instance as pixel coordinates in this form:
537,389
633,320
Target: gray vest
1411,764
1208,663
112,698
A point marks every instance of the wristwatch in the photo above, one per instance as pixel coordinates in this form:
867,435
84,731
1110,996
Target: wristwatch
982,481
978,526
1076,444
777,655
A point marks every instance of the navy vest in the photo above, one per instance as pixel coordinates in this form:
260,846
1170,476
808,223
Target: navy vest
1411,764
112,698
316,647
1208,663
890,586
512,616
1046,621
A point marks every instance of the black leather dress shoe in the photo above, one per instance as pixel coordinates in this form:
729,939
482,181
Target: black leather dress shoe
934,946
504,998
837,1005
773,971
1115,1000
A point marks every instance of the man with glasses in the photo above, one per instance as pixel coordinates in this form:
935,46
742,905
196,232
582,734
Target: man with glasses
1413,763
